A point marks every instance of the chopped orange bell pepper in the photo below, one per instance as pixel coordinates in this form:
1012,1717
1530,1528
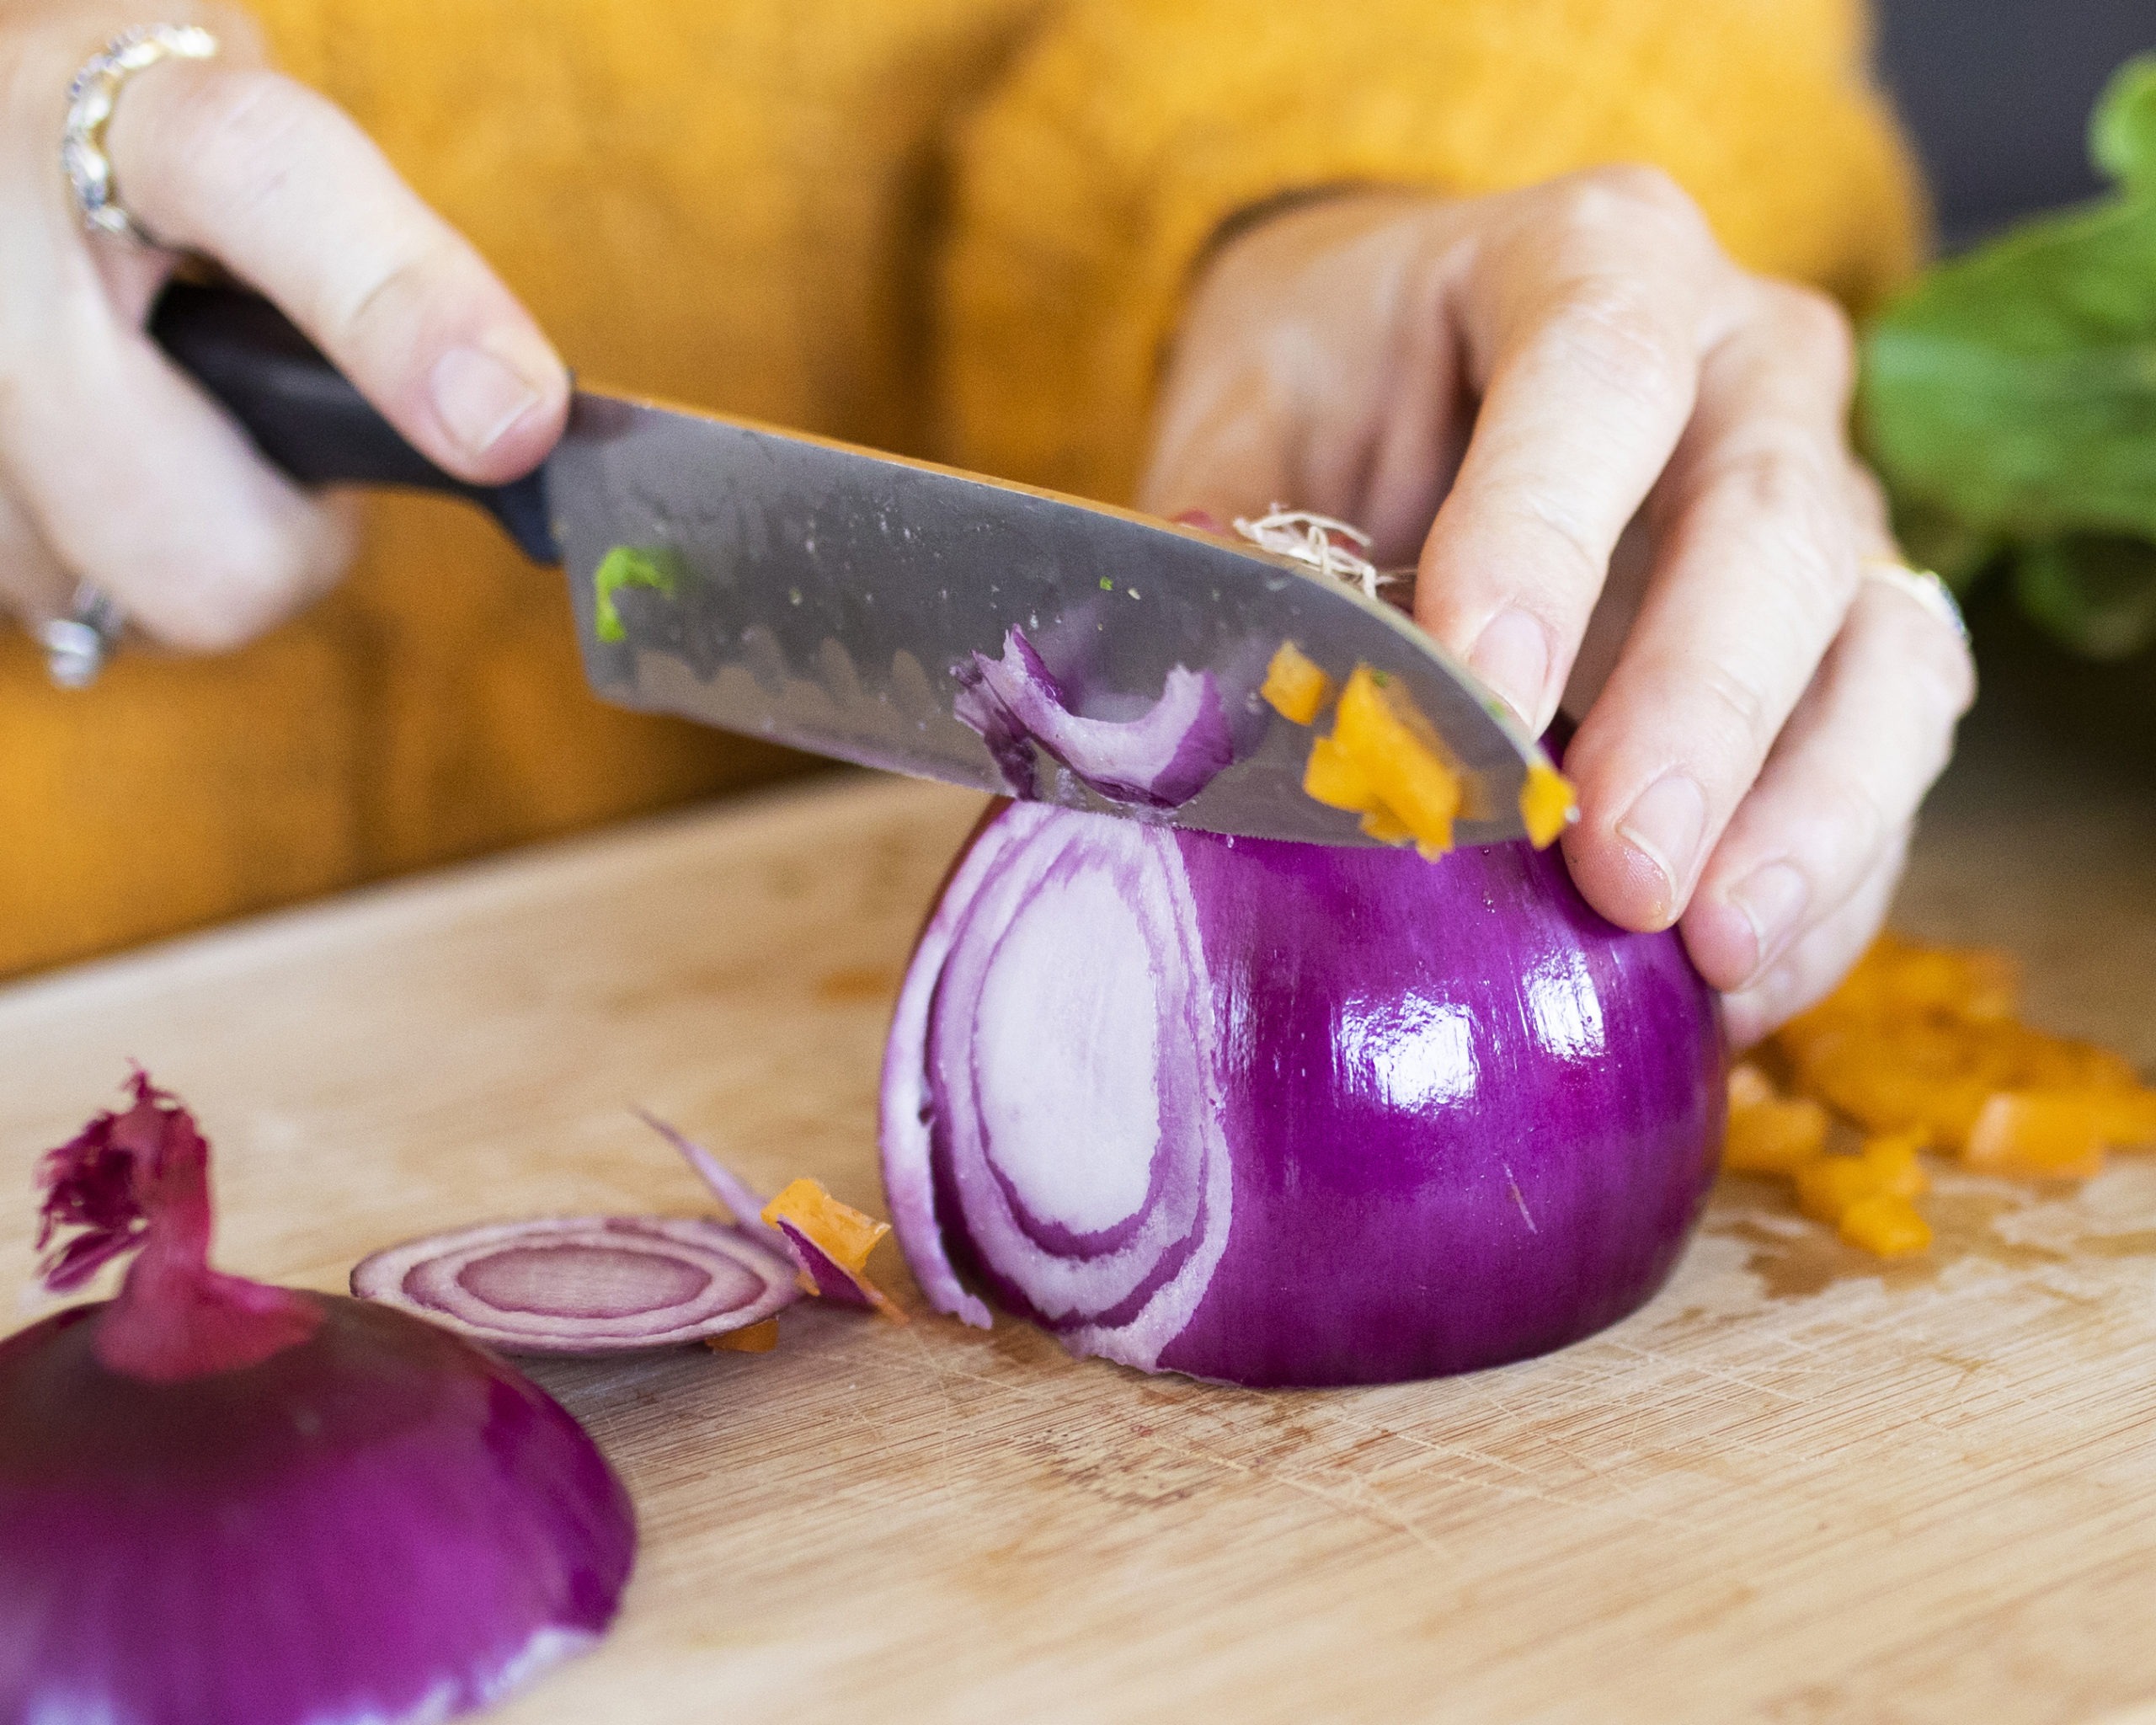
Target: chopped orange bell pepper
841,1232
2127,1117
1896,975
1337,779
838,1230
1769,1134
1885,1224
1829,1188
1547,804
1828,1185
1294,686
1891,1069
2039,1133
1919,1046
1892,1158
755,1338
1382,761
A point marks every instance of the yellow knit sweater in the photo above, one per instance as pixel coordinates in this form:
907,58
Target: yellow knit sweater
952,226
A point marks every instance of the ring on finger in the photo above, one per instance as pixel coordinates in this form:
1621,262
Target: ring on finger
91,97
78,645
1927,589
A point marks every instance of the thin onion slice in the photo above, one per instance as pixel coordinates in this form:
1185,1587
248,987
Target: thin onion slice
584,1284
1159,760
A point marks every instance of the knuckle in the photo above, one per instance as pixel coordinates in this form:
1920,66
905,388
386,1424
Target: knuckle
1611,326
1640,207
1629,188
1562,530
1813,332
1935,661
386,298
1733,718
236,139
1777,494
1856,826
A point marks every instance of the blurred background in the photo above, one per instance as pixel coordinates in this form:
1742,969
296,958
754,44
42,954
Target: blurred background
1998,93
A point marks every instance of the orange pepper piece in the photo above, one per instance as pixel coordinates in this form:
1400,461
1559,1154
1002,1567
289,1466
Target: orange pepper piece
2055,1135
1547,804
1829,1187
1333,777
1886,1225
1769,1134
1891,1159
842,1233
838,1230
755,1338
1294,686
2128,1118
1407,765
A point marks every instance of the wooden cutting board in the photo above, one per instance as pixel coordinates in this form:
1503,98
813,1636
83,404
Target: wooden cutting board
1799,1487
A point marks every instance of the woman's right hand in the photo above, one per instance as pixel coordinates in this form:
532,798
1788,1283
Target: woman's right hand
115,469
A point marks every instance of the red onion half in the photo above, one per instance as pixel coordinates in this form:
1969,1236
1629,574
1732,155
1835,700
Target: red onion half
223,1504
1158,759
1287,1114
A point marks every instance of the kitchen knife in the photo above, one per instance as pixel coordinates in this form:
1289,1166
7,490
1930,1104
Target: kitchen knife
835,599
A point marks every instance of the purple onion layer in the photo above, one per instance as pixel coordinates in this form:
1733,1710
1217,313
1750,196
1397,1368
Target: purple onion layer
1287,1114
1161,759
383,1523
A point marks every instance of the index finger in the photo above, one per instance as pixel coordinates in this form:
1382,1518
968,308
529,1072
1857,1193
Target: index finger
279,184
1585,324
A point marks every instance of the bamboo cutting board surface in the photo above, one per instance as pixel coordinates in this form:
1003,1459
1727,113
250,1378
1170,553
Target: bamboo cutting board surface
1799,1487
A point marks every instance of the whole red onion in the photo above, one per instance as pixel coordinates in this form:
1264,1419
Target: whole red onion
223,1504
1287,1115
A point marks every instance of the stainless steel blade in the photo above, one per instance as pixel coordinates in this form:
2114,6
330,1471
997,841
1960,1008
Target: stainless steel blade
825,595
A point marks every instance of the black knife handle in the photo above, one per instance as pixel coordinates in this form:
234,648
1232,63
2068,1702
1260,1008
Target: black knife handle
308,418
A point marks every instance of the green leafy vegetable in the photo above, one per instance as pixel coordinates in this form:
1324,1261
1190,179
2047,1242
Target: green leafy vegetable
2009,399
658,567
2122,133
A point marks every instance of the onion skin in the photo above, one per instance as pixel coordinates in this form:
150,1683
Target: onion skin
380,1521
223,1502
1447,1116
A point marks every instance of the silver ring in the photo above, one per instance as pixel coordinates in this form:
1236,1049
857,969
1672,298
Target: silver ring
90,98
1933,594
78,645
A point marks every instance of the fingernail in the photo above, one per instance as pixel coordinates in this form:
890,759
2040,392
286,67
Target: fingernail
1664,826
479,398
1771,900
1512,656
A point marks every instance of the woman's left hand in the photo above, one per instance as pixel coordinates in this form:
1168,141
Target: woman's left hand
1620,465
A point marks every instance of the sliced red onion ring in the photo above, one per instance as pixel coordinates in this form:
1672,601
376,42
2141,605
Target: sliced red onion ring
1287,1114
584,1284
1159,760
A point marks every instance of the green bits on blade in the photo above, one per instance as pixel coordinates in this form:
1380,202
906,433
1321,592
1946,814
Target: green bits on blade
658,567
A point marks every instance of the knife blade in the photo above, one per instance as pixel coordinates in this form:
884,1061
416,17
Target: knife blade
838,600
